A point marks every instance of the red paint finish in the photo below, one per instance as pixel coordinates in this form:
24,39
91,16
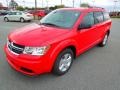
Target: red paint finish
40,13
35,35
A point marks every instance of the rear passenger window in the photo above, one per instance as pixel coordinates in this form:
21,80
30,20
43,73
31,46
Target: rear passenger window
106,16
98,17
14,13
19,13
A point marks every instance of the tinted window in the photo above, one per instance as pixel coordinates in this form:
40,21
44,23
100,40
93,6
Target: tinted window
12,13
98,17
106,16
88,20
61,18
19,13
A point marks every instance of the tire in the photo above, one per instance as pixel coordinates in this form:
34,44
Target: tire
63,62
6,19
29,20
104,41
22,20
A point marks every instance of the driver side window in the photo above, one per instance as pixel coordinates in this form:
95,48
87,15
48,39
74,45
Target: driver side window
88,21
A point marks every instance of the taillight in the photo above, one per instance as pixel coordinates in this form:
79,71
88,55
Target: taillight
29,15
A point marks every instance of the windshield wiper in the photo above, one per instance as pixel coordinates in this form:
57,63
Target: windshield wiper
51,24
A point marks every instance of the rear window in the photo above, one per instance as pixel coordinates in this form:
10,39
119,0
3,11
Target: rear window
98,17
106,16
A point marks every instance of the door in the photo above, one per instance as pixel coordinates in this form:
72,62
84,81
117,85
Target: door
9,15
86,35
15,16
12,16
100,24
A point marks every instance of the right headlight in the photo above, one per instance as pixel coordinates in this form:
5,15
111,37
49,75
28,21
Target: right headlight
36,50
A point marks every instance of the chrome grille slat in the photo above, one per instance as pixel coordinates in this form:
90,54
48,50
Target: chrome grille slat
15,48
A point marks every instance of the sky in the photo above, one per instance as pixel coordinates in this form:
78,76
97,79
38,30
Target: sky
109,4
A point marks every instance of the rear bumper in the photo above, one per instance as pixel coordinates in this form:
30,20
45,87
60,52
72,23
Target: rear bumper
29,65
28,18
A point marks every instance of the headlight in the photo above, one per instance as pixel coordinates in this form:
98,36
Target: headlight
36,50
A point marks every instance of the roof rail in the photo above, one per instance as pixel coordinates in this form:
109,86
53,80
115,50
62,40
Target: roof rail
95,7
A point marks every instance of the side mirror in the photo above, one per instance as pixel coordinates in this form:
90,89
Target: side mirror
84,26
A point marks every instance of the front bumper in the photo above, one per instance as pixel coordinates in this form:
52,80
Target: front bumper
28,64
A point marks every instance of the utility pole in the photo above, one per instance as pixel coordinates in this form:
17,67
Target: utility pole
35,4
7,3
24,3
35,8
61,2
47,3
73,2
115,5
93,3
42,3
80,3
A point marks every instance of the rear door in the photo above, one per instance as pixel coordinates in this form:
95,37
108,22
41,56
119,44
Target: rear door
99,24
18,16
12,16
107,21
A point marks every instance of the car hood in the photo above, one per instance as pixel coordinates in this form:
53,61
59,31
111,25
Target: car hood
35,35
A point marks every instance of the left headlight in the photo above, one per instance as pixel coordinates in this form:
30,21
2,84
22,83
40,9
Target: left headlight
36,50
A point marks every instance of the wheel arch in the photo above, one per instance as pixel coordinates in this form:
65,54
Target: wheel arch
59,48
73,48
108,32
71,44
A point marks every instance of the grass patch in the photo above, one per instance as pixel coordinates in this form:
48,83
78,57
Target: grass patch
115,16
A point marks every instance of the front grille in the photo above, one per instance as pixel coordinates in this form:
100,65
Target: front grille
15,48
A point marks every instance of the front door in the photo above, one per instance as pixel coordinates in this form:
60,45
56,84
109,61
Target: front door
87,32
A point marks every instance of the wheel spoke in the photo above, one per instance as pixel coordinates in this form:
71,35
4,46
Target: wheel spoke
65,62
105,39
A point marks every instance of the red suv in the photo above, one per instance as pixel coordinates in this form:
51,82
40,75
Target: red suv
39,13
61,36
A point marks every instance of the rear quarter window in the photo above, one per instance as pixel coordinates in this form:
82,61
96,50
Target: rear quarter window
106,16
98,17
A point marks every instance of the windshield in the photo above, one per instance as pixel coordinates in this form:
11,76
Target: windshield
61,18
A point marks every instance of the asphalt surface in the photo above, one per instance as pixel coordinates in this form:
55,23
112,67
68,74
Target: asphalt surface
96,69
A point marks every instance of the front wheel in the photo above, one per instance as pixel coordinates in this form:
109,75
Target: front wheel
63,62
104,41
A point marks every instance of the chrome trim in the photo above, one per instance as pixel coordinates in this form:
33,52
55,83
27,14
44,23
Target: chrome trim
10,45
15,46
12,51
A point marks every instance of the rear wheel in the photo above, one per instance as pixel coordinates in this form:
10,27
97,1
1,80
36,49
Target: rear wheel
6,19
22,20
63,62
104,41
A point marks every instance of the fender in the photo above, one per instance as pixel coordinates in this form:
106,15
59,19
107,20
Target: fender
60,47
